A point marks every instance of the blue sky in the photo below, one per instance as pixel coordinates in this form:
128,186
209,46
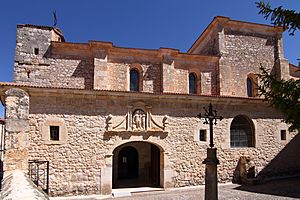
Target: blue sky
130,23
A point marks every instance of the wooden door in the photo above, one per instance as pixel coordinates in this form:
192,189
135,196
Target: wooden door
155,166
128,163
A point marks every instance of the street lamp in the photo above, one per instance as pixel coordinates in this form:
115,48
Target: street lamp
211,161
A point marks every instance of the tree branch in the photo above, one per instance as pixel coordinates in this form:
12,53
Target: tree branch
289,19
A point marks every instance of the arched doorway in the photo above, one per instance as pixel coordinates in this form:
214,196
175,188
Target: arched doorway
136,164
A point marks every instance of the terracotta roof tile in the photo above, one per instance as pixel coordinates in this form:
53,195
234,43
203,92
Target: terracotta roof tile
128,92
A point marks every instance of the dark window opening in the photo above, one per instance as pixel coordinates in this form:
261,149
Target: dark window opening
36,51
192,83
134,80
202,136
241,132
283,134
249,87
54,133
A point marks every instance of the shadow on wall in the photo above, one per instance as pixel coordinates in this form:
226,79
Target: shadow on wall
153,74
285,164
85,68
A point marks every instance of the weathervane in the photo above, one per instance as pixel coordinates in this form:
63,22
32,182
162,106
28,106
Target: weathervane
210,117
54,18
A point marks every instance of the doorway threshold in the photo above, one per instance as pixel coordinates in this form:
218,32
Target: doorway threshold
123,192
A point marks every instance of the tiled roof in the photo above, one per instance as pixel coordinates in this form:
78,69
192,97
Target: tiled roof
126,92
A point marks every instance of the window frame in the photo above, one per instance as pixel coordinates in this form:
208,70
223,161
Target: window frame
204,131
45,131
195,85
252,85
54,133
283,135
242,132
249,87
138,81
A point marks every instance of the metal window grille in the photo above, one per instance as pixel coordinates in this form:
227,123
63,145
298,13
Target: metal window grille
39,174
241,132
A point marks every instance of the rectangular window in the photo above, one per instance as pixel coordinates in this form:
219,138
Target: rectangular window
202,135
36,51
54,133
283,134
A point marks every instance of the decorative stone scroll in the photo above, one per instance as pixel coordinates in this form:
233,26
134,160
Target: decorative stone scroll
136,121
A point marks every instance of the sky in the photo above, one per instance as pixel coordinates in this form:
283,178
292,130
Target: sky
148,24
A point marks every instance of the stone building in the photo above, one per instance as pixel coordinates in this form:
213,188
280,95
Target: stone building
108,117
2,122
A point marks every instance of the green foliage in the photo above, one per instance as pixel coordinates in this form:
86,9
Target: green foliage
283,95
289,19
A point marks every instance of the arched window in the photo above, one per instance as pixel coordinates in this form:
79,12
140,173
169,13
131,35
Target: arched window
242,132
192,83
134,80
252,85
249,87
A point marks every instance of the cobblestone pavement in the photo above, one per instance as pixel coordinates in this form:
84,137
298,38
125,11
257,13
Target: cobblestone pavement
226,192
286,189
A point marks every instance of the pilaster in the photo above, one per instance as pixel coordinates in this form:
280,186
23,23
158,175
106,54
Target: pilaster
16,130
101,73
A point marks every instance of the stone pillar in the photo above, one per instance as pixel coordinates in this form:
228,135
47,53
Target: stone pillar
107,176
211,178
283,70
16,130
101,73
167,173
169,82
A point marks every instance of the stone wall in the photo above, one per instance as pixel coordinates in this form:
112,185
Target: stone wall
77,163
2,124
242,54
84,66
37,62
243,47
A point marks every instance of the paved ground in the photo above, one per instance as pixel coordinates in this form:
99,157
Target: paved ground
286,189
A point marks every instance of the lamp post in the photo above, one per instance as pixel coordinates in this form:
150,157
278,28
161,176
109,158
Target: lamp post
211,179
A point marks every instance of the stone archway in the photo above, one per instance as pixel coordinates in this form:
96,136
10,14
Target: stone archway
136,164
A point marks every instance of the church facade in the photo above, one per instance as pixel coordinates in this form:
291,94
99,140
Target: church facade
107,117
